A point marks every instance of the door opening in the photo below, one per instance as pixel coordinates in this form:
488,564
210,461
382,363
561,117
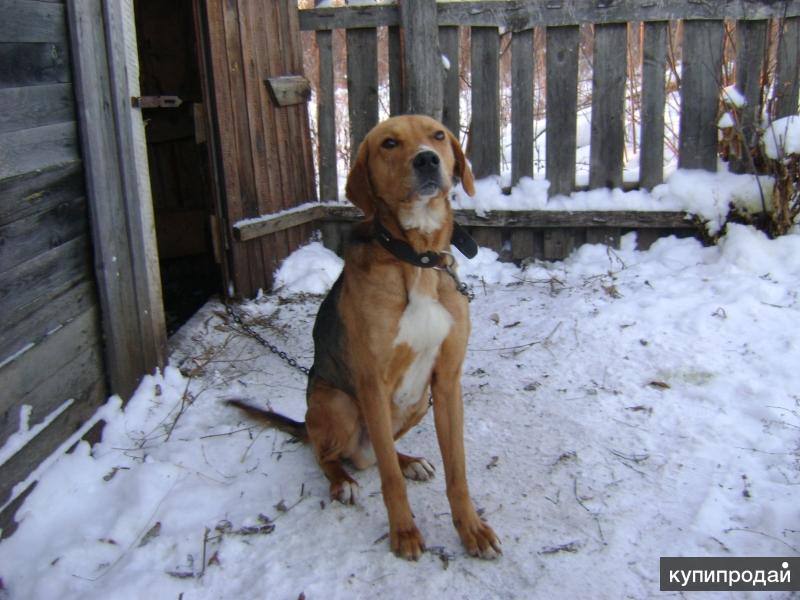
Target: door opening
177,154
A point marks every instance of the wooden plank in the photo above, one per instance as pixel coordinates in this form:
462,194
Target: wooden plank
326,120
268,130
451,48
26,238
43,445
422,63
751,45
32,193
518,16
112,239
29,21
562,98
526,244
362,84
609,70
484,143
700,91
278,222
73,355
654,65
609,236
25,64
33,149
559,243
243,202
35,106
136,202
351,17
543,219
287,90
488,237
47,313
787,73
58,268
522,78
395,53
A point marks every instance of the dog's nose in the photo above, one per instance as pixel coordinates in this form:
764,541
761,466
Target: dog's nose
426,161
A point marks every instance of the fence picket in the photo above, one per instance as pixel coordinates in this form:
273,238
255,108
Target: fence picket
751,45
608,105
326,119
484,137
362,83
562,98
787,74
700,92
449,46
522,71
654,65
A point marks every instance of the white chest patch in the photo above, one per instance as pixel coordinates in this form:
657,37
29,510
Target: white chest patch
424,326
422,215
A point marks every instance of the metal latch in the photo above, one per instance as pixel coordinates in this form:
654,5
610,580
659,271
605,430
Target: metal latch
156,101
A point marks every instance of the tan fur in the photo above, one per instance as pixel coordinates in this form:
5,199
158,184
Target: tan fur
374,295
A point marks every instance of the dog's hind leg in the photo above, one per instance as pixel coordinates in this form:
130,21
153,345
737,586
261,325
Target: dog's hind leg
334,430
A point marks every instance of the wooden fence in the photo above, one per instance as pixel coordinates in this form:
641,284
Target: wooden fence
418,82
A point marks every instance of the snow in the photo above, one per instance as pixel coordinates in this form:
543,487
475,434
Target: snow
17,440
733,97
782,137
707,195
620,406
726,121
312,269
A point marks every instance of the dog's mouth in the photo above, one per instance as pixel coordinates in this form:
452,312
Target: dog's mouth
428,188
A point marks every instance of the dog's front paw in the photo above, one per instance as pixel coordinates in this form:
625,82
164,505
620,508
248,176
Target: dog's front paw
345,491
407,543
479,539
417,469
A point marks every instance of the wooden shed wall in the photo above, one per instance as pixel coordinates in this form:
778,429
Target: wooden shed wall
51,356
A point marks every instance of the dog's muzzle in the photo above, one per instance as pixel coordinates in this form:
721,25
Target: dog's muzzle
428,172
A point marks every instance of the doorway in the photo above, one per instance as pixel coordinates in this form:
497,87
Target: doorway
180,178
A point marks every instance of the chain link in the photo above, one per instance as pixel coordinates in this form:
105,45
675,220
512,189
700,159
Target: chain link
257,337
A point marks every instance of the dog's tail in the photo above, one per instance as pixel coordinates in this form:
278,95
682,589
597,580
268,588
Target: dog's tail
283,423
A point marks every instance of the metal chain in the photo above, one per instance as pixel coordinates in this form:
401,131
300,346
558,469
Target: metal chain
257,337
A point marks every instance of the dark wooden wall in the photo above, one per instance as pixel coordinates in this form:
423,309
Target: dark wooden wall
50,339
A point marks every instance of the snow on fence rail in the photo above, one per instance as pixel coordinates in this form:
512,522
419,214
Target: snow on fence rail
418,82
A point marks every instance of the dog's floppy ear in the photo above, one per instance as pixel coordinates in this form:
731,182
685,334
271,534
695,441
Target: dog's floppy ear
358,188
461,169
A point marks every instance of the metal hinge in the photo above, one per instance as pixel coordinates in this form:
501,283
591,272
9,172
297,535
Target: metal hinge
156,101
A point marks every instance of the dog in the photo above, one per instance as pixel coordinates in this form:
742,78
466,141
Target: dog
393,327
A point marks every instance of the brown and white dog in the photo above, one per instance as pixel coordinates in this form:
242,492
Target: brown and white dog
391,329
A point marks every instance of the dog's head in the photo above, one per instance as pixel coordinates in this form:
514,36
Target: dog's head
405,162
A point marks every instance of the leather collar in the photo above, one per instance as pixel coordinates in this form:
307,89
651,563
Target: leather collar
427,260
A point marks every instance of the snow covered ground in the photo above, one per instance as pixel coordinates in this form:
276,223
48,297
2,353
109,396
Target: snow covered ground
620,406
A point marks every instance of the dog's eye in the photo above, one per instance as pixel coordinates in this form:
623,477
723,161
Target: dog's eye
439,135
390,143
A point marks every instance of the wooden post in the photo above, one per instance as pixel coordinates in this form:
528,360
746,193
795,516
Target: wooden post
423,71
124,239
